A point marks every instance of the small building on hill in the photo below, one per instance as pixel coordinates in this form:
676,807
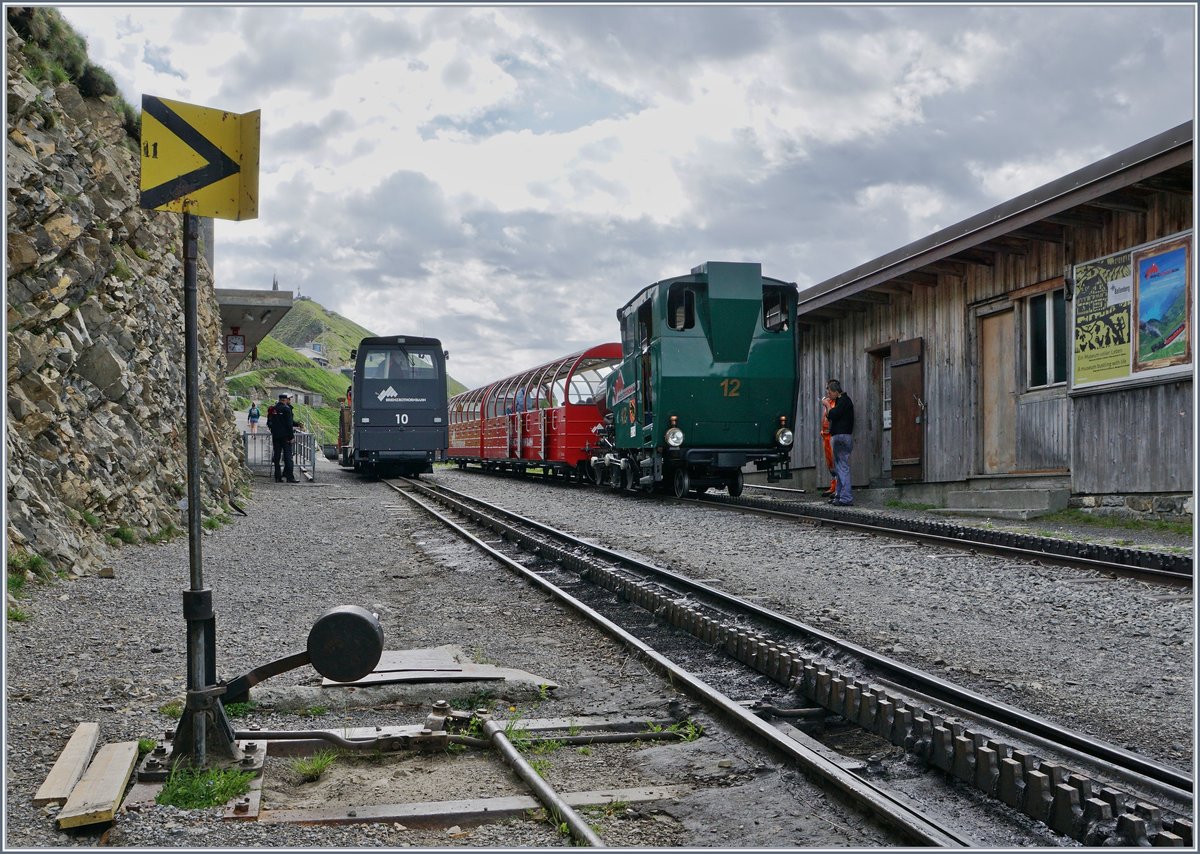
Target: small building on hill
300,396
1037,355
315,351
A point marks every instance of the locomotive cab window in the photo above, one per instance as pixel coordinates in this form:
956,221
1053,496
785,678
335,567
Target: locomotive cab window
776,309
681,307
375,365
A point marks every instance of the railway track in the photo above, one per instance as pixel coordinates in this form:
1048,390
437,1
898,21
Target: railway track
1142,564
1133,563
901,719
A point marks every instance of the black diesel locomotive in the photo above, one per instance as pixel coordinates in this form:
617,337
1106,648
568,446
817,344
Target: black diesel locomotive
394,418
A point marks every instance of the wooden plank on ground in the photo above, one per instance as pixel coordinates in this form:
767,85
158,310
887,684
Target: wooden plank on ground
466,812
69,766
96,796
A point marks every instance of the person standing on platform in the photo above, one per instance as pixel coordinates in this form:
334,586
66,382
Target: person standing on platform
827,443
841,430
283,432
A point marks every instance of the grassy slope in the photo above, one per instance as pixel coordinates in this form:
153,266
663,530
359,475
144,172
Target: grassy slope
279,364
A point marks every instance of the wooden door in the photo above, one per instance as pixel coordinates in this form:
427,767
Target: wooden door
908,410
998,392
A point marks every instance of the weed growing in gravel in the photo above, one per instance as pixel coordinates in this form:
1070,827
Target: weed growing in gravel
474,700
125,535
313,712
191,789
540,766
172,709
239,710
310,768
584,751
548,746
519,736
145,745
689,729
16,583
543,692
1073,516
610,808
909,505
16,615
210,524
574,729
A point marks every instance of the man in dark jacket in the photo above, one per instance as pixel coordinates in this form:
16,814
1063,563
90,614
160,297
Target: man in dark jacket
283,431
841,430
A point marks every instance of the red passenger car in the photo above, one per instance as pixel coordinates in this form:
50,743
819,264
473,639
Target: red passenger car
540,418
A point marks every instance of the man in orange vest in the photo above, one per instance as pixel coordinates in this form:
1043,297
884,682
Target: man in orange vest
827,441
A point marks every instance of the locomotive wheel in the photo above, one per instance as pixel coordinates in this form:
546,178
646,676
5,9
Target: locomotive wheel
736,483
681,483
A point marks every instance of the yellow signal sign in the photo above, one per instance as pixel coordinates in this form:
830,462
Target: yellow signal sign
199,160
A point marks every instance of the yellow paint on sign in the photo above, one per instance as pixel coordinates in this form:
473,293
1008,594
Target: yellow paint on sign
199,160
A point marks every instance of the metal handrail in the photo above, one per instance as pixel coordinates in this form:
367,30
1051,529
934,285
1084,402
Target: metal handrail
257,448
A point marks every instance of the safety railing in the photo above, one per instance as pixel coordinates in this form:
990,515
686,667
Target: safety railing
258,453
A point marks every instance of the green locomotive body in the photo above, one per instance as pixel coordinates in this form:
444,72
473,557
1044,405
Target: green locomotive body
707,382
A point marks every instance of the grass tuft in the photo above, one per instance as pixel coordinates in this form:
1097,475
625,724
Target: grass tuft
172,709
310,768
1074,516
126,535
190,789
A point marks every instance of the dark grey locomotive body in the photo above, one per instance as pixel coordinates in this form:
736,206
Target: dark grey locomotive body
395,419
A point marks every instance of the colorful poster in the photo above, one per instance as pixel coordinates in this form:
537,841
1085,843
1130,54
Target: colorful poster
1162,306
1103,292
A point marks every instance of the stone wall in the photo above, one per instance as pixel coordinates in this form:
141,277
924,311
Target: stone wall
95,429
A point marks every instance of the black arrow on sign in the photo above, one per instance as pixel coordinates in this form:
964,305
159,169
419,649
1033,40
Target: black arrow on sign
220,165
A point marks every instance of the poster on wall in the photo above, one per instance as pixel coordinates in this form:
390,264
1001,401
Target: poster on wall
1103,290
1162,306
1132,314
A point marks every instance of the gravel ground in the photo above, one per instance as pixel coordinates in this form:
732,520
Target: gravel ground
113,650
1113,658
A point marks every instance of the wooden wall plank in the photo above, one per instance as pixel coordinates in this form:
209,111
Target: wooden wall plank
97,796
1134,440
69,766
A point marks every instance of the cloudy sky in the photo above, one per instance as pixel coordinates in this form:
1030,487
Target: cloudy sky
504,178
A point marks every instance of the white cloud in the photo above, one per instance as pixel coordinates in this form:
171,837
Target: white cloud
1003,181
506,177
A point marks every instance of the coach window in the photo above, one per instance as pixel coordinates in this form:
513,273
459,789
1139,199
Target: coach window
681,307
1046,339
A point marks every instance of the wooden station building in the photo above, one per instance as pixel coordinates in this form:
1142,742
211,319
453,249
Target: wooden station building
1035,355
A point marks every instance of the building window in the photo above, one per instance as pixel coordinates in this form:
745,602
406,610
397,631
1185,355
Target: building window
1046,339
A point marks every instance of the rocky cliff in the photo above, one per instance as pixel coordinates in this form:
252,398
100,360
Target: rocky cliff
95,428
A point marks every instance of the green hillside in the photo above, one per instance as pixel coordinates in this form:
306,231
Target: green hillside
277,364
309,321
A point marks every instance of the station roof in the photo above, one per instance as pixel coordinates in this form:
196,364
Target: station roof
253,313
1119,182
